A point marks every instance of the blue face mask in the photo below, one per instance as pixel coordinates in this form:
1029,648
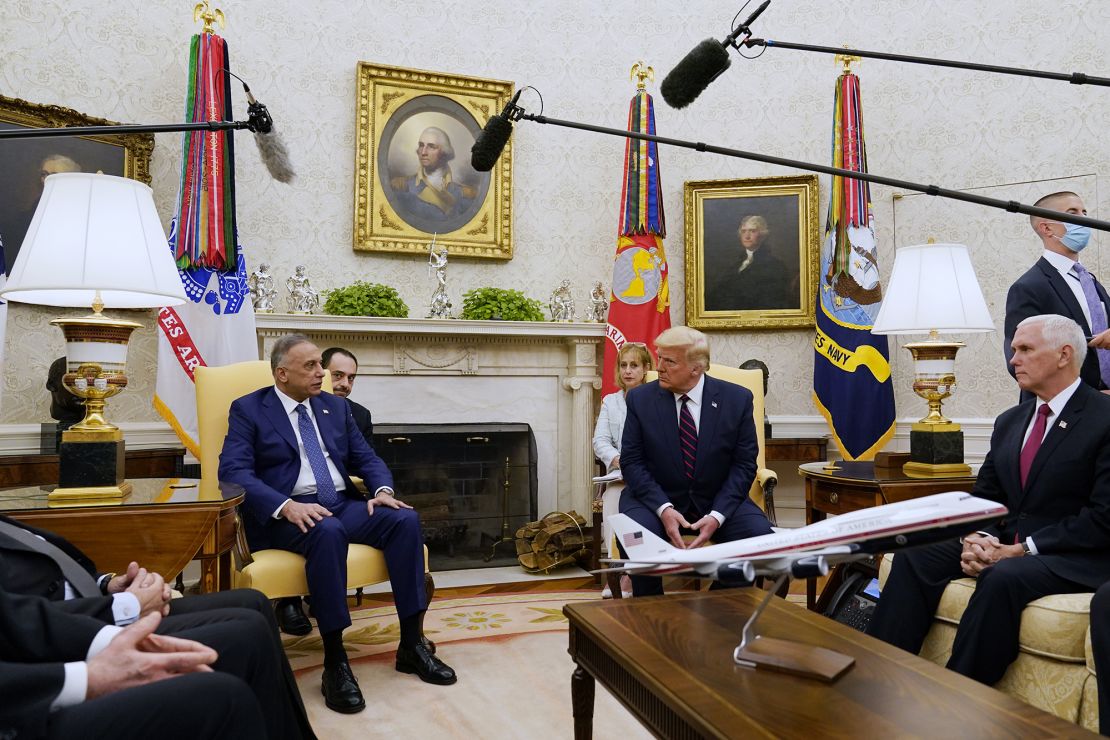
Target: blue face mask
1075,237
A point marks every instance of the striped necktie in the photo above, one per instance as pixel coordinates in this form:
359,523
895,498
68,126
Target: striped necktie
325,486
687,437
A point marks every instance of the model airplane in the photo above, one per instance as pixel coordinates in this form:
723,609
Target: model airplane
806,552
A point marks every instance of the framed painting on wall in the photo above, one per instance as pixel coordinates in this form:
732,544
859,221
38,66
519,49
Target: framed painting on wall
25,163
752,251
413,179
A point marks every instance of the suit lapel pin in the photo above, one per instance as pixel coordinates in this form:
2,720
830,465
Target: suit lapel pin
1063,425
713,404
324,410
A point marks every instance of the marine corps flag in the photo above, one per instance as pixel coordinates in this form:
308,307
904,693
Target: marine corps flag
639,302
217,326
851,366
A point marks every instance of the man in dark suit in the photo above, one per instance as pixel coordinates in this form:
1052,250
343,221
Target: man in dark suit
1055,285
1049,463
343,367
38,563
70,675
689,452
756,280
293,449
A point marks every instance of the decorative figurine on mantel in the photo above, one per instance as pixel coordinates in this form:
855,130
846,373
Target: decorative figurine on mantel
65,408
302,298
599,304
261,286
440,307
562,303
761,366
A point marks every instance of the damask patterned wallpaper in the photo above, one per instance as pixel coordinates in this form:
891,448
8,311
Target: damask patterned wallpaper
999,135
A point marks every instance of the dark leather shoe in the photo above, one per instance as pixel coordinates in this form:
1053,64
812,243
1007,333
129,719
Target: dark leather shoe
340,689
428,667
290,617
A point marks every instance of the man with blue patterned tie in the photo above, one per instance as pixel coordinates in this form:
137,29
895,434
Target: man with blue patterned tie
1059,284
688,453
293,449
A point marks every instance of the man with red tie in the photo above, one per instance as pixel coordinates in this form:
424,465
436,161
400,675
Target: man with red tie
1049,463
688,453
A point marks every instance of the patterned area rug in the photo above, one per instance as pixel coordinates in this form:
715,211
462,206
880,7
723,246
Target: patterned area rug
509,650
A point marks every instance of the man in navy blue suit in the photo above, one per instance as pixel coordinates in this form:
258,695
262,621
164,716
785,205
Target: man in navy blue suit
293,449
1059,284
689,452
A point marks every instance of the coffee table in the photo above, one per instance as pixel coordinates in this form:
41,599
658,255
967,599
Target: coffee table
163,524
668,659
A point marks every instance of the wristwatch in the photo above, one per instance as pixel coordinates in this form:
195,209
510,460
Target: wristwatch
1025,547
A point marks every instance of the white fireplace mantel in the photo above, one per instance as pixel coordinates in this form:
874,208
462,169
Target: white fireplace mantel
427,371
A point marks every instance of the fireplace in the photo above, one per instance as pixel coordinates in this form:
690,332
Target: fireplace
473,485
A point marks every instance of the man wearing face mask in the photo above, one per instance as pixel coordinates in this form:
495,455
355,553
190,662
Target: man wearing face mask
1059,284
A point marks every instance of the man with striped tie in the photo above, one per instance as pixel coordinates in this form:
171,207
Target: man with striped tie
293,449
689,452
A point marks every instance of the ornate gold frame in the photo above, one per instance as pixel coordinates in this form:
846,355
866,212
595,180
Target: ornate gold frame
137,150
137,147
806,251
383,92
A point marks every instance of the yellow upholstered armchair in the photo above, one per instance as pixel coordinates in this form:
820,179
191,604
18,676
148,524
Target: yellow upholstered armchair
276,573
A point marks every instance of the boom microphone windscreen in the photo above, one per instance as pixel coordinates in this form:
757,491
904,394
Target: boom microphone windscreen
490,143
694,73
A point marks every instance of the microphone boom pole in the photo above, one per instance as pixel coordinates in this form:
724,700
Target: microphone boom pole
1011,206
1075,78
123,128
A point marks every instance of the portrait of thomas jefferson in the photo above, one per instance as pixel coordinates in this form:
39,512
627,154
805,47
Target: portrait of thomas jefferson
427,177
752,258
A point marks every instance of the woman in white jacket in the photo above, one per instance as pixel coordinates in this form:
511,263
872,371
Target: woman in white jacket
633,362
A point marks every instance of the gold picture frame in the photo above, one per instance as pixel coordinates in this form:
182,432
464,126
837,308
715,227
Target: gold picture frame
776,288
397,209
25,162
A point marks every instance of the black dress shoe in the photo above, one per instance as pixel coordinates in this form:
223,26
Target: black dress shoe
428,667
290,617
340,689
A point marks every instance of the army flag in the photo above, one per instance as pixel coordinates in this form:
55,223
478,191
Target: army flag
639,301
216,326
851,366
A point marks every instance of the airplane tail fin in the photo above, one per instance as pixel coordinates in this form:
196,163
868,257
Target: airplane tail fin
636,541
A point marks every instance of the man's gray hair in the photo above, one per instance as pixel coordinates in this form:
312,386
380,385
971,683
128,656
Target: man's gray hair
1059,330
282,346
696,344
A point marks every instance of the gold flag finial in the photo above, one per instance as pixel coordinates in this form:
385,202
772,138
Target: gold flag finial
846,60
641,72
208,15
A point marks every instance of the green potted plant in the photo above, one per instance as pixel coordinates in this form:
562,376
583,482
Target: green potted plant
500,304
365,299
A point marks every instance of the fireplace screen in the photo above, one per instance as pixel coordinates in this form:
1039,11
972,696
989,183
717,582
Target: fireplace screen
473,485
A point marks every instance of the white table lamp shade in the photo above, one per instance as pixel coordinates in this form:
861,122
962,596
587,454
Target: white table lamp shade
933,287
95,232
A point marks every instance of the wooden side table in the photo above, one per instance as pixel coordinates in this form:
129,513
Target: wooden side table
859,485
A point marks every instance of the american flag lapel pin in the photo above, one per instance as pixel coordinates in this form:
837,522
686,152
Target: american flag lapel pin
1063,425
